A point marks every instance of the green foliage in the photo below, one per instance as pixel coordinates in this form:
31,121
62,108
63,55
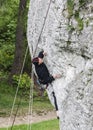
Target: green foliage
70,7
8,23
70,28
6,56
8,11
25,81
87,23
7,33
79,20
3,75
81,2
45,125
7,94
68,43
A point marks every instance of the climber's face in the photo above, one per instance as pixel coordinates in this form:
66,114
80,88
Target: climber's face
40,61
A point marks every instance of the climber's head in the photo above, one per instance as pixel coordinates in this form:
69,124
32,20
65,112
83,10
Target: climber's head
37,61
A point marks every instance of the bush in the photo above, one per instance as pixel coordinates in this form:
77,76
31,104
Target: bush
25,81
6,56
3,75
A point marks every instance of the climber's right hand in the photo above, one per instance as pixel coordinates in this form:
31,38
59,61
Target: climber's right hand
57,76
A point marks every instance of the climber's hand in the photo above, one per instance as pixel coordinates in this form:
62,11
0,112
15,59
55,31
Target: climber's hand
57,76
44,53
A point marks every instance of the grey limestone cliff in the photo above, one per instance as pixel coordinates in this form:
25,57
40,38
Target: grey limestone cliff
67,38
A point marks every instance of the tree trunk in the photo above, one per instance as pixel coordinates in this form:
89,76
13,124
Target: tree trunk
19,45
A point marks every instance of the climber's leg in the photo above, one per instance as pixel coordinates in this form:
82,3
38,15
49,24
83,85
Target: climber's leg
55,102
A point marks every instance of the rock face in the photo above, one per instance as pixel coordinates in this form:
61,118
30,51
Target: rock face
67,38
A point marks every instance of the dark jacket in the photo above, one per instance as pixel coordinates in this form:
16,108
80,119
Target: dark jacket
42,71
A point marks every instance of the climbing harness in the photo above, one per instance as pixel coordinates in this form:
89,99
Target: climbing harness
53,94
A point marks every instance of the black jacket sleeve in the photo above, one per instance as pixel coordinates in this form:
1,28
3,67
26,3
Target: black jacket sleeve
50,79
41,55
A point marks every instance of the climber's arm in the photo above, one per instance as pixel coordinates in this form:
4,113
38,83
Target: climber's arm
53,77
50,79
41,54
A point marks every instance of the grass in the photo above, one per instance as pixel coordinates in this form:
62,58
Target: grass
82,2
70,7
79,21
7,94
45,125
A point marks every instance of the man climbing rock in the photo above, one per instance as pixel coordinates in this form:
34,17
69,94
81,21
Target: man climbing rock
42,71
44,77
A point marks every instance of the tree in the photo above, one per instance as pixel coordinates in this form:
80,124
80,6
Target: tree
19,44
8,14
